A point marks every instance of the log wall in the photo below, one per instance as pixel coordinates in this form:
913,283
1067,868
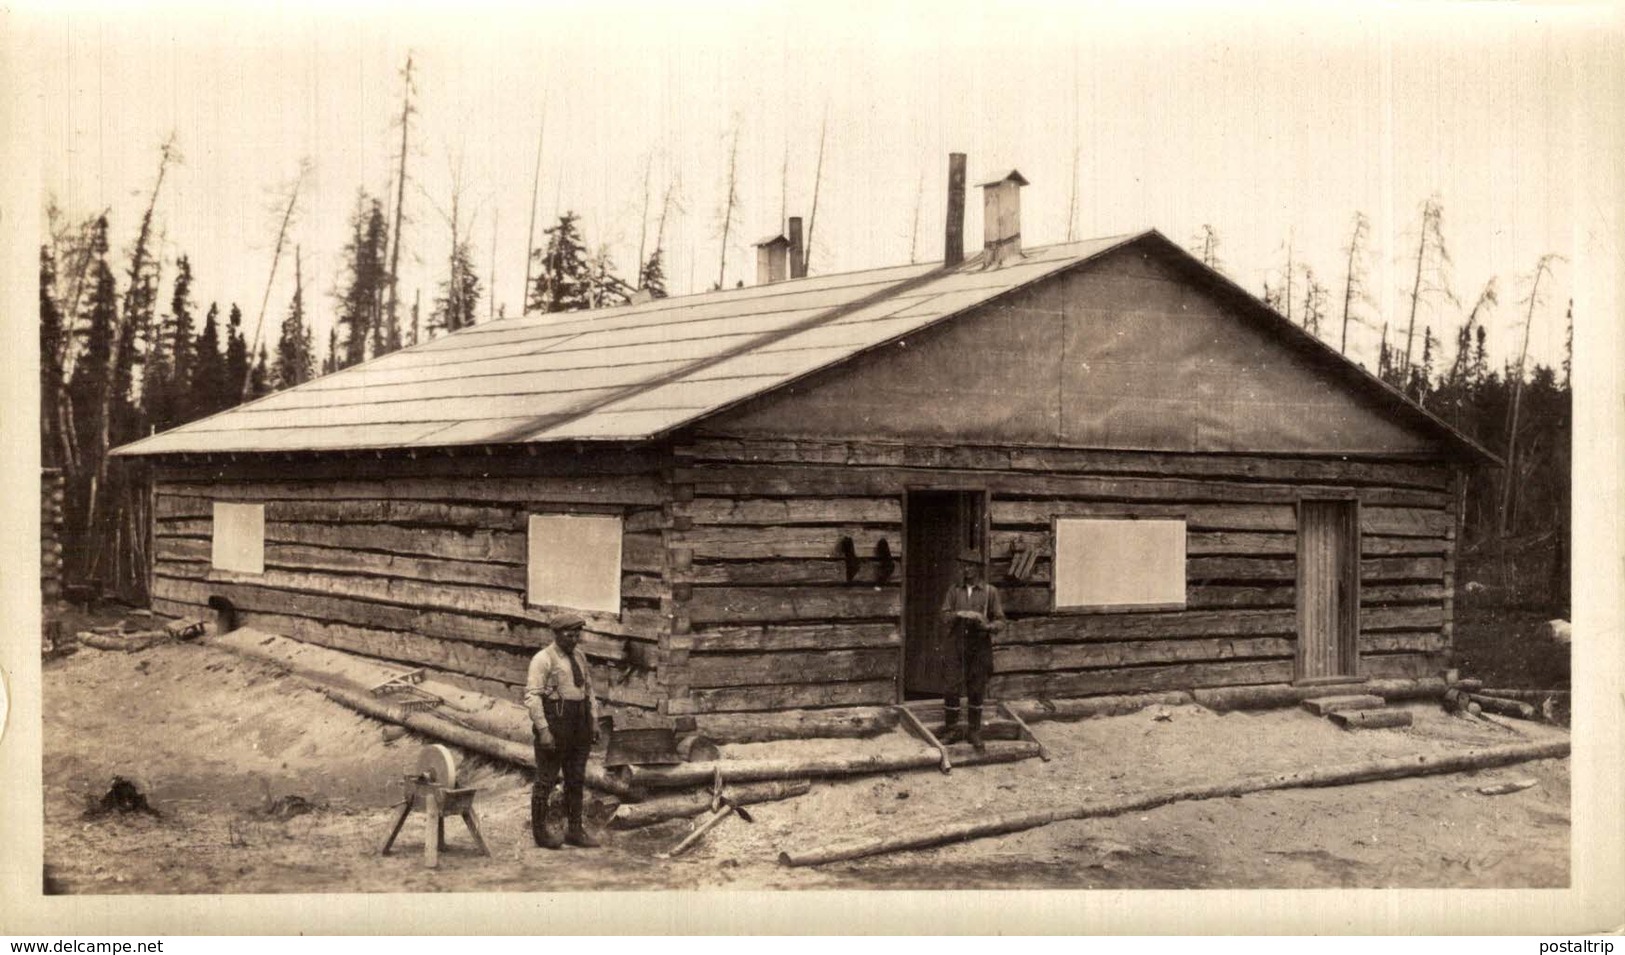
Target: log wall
423,562
50,534
764,617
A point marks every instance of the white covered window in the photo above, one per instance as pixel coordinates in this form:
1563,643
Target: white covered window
575,562
1119,564
239,537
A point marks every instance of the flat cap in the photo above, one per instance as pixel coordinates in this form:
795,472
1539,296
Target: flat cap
566,621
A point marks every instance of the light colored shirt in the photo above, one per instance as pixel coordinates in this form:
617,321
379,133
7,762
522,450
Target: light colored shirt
550,678
982,598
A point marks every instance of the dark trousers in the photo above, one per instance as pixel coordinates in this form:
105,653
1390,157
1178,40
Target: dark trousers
975,649
571,725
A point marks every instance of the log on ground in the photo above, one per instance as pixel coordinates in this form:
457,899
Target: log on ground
854,723
755,770
1275,695
963,830
1086,707
680,805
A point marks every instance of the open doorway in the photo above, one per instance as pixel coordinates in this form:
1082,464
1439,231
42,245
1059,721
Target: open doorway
939,526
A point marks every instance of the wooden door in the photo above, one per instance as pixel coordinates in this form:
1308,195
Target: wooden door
939,526
1328,591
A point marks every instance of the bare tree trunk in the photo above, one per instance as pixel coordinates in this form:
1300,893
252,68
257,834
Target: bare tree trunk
276,259
914,238
535,187
390,309
1416,286
491,303
643,222
1509,488
818,179
728,205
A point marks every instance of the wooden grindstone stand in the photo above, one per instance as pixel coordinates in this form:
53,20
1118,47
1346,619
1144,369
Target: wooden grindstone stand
433,789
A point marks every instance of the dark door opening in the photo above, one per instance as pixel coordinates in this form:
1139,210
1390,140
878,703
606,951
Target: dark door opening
1328,591
940,525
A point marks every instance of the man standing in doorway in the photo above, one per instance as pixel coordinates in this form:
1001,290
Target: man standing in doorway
974,613
564,726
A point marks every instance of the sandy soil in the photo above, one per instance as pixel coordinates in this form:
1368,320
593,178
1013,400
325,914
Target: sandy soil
215,740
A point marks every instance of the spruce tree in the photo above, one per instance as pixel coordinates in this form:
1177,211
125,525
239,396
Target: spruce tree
180,398
294,352
208,368
236,364
259,377
366,276
50,350
562,283
604,288
653,276
457,304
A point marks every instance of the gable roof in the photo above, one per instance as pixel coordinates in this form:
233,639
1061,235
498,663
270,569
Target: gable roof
637,372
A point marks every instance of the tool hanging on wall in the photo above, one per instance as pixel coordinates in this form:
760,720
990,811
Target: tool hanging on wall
885,564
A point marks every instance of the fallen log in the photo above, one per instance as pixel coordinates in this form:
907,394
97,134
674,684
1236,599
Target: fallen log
682,805
853,723
756,770
1527,696
443,729
1504,707
128,643
1091,706
962,830
1272,695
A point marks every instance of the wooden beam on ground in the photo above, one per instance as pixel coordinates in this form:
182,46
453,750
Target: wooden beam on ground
913,723
681,805
1026,732
757,770
964,830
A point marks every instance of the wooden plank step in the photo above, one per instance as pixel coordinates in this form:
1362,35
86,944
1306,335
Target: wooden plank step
1371,719
1327,705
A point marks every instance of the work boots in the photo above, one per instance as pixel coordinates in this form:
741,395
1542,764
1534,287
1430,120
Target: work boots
577,835
951,733
546,836
975,736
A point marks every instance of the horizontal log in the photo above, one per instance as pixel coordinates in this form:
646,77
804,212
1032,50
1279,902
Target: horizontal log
447,543
485,662
787,572
1423,641
1405,522
1138,679
1078,656
854,723
1373,595
789,481
813,666
773,604
509,668
533,492
1149,626
775,638
605,636
428,513
1088,707
1257,467
983,825
1224,699
1240,596
1011,514
296,557
800,696
1237,543
1403,665
685,805
457,598
812,510
771,543
751,770
1372,545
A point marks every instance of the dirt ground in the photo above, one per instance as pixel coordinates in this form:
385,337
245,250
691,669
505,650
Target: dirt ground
217,741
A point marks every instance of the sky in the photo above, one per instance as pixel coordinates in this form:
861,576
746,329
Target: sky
1272,124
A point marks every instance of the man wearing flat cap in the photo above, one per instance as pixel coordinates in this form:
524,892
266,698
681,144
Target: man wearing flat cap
564,725
974,613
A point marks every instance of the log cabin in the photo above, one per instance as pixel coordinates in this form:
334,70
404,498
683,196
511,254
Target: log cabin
756,497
